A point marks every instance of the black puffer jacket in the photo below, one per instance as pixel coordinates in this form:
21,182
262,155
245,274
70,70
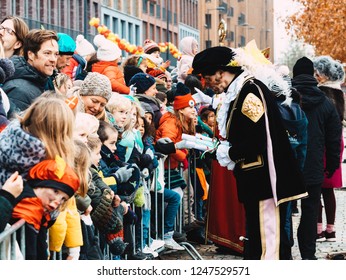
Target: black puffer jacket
324,129
24,86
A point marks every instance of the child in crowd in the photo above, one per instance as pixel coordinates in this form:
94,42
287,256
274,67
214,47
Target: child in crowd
108,54
148,135
119,107
49,185
76,70
189,48
62,83
132,65
108,210
154,60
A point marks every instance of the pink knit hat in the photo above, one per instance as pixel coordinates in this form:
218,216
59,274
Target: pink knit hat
150,46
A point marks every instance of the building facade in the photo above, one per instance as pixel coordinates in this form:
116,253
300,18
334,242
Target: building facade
159,20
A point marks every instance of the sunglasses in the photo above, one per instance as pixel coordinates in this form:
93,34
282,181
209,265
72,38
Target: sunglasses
7,29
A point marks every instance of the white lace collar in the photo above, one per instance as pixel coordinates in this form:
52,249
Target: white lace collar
232,92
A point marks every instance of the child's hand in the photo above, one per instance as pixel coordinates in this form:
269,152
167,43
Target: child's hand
125,206
116,200
88,210
14,184
166,64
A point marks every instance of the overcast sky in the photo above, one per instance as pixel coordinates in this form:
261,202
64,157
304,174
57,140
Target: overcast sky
282,8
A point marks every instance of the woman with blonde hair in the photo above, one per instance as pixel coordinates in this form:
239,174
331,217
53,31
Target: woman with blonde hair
43,131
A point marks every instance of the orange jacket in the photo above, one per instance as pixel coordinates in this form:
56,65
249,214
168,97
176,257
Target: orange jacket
114,74
169,127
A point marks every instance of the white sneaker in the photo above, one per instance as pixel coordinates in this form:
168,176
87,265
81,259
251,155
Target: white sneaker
156,244
170,243
147,250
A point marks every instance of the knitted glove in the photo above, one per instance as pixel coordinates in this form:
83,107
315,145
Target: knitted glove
165,146
105,216
123,174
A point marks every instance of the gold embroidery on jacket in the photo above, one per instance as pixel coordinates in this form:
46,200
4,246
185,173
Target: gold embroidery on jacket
252,107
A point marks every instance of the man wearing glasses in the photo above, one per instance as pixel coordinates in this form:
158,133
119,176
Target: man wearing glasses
12,33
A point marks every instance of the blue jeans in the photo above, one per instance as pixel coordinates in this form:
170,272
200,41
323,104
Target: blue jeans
172,199
145,223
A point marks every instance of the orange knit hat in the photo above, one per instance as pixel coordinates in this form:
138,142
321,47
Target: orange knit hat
183,101
55,174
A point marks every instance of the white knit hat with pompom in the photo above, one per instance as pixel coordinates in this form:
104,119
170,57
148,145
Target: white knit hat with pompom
83,46
106,49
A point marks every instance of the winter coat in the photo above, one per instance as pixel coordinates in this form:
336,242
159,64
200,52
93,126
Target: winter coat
29,207
24,86
114,74
67,229
19,151
324,130
7,202
337,98
77,65
169,127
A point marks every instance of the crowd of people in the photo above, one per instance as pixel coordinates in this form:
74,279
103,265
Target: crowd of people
102,151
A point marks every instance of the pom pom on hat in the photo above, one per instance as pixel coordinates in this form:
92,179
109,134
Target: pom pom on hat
55,174
6,69
183,97
67,45
106,49
150,46
142,82
83,46
96,84
303,66
329,68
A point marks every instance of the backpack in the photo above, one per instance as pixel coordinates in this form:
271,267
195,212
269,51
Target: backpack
295,123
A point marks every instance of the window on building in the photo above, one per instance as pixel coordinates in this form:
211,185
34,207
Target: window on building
123,29
106,20
152,9
158,11
130,32
115,25
230,12
145,6
242,41
151,32
208,21
137,35
241,19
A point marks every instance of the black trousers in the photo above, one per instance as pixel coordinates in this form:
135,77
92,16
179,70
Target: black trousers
307,229
253,244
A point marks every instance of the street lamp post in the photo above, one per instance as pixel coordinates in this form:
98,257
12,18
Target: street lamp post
220,8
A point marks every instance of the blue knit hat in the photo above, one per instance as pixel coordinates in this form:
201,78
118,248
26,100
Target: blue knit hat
142,82
66,44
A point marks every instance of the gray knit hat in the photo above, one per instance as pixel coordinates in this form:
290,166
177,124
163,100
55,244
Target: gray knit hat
330,68
96,84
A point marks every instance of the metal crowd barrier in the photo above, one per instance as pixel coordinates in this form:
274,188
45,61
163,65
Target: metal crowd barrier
9,248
